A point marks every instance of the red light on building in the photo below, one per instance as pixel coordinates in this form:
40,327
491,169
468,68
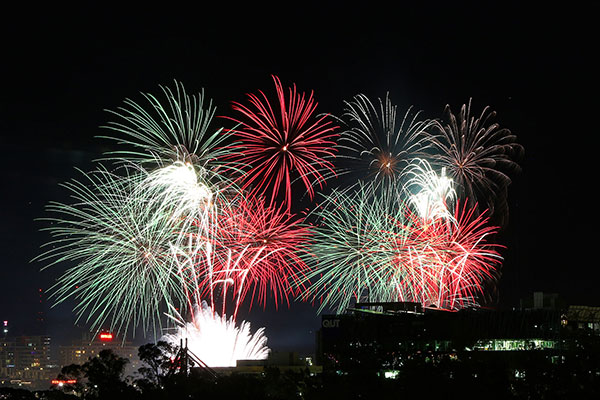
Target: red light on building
61,382
106,337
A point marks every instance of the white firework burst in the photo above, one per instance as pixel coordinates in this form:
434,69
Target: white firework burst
217,340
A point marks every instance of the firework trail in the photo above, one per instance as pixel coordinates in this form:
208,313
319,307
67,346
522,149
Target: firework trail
478,155
217,340
282,143
379,145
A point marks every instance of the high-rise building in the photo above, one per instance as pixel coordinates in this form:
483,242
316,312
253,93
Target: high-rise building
80,351
26,359
23,352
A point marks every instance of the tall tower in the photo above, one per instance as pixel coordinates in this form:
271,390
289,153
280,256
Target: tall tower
40,315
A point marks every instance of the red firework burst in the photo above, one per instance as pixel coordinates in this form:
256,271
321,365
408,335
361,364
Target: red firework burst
256,250
280,144
444,264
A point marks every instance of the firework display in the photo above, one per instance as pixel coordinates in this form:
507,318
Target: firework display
373,247
117,247
283,142
430,194
478,155
379,145
264,244
177,128
218,341
189,222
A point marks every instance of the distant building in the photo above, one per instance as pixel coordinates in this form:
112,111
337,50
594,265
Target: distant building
578,321
381,336
542,300
583,318
25,352
25,361
284,361
80,351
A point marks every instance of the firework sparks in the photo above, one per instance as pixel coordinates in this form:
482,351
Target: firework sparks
218,341
478,155
118,247
444,264
176,128
274,241
428,192
177,189
371,245
283,143
255,251
351,259
381,146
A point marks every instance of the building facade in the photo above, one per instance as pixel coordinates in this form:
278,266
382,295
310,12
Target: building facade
382,336
25,361
80,351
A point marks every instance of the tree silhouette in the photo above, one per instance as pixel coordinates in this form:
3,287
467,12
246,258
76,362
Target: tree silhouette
100,377
157,363
105,375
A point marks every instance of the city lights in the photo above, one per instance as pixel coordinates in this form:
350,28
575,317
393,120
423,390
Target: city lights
106,337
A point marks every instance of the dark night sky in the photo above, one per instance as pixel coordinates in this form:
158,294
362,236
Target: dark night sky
61,68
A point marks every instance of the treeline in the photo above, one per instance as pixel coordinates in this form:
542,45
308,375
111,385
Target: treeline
421,376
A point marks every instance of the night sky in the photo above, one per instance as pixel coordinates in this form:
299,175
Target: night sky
61,68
